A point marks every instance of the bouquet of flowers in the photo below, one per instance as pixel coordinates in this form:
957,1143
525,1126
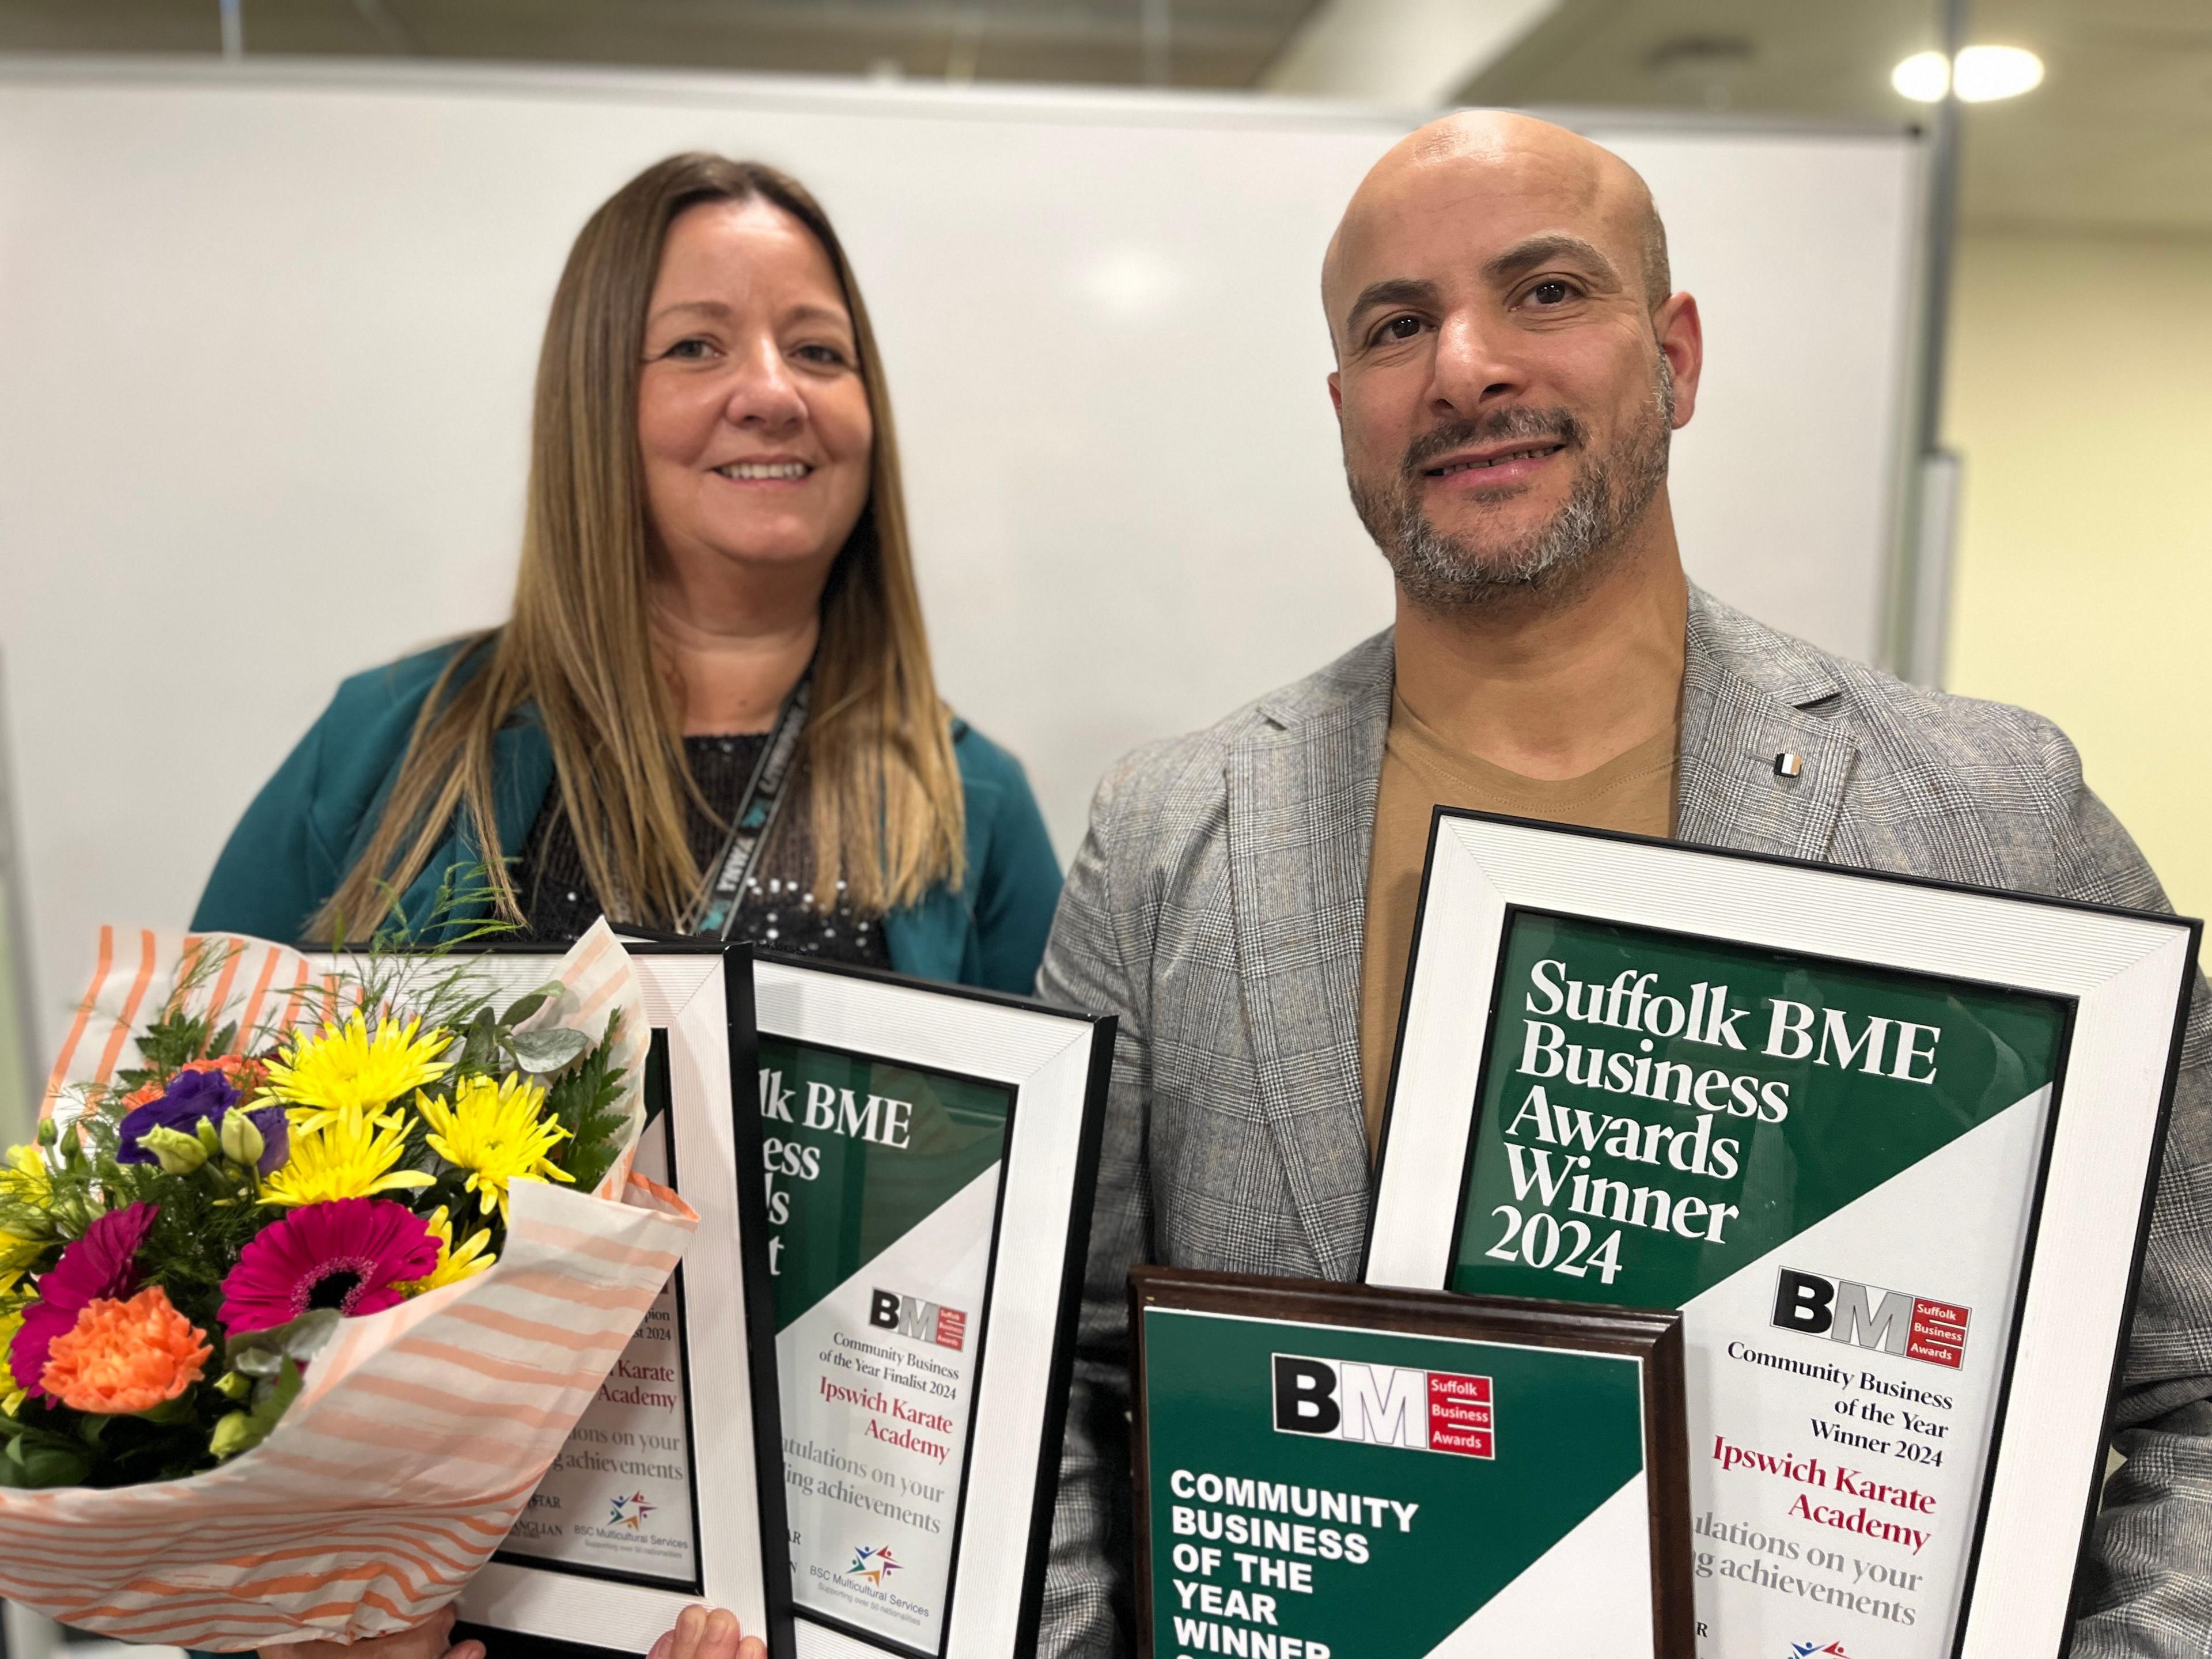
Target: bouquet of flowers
295,1314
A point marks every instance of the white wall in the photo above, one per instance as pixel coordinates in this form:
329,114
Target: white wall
267,337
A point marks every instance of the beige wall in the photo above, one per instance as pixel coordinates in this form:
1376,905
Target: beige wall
2081,396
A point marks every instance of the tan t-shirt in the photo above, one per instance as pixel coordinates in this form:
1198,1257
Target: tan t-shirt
1421,771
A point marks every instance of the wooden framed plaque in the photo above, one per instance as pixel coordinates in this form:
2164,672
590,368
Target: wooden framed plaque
930,1153
1327,1471
1889,1145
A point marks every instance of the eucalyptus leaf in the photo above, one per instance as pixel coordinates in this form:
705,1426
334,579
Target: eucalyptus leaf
548,1050
523,1006
263,1353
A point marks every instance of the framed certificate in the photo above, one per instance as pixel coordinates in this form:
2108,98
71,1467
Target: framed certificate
1889,1145
929,1155
670,1489
1327,1471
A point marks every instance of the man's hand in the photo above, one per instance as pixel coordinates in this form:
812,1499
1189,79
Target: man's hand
426,1641
700,1634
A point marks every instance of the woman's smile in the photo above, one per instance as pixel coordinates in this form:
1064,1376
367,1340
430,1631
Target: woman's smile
765,470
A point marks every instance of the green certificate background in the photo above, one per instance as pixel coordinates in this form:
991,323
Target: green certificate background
868,1196
861,1225
1846,1133
1569,1434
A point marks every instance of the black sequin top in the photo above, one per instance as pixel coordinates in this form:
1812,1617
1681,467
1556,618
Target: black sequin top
780,910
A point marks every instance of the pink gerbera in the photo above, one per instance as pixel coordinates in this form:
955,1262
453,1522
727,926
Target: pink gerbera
349,1255
101,1264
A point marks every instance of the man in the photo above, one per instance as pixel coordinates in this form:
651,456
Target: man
1509,365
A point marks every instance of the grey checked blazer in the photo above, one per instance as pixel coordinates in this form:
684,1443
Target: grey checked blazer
1217,906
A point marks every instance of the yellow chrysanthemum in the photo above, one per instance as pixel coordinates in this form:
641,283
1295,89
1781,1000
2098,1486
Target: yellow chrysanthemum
16,1254
350,1154
453,1265
10,1324
25,1179
344,1068
493,1130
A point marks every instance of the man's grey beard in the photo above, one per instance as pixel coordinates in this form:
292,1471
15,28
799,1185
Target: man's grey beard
1580,541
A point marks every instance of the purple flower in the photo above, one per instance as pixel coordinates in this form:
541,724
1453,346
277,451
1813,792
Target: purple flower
193,1098
275,1129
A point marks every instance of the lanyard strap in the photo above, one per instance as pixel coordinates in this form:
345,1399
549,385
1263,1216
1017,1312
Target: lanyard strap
716,910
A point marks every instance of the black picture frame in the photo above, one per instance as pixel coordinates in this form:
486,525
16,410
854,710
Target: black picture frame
2118,982
699,1000
1056,1062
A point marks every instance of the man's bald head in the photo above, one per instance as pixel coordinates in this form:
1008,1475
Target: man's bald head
1509,362
1515,154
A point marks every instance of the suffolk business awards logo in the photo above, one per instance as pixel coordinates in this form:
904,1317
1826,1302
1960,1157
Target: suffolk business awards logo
1384,1406
1868,1316
925,1321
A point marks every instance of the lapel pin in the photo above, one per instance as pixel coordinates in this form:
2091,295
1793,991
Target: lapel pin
1787,765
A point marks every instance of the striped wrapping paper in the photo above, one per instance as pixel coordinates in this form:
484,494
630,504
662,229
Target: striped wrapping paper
420,1432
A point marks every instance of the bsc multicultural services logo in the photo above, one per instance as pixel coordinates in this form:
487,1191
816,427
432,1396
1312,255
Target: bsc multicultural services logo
1384,1406
1868,1316
874,1565
631,1511
925,1321
1808,1650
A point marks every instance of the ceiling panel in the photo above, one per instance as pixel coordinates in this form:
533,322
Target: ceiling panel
2119,136
1208,42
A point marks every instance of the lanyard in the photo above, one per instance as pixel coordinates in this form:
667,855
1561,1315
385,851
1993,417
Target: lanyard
716,910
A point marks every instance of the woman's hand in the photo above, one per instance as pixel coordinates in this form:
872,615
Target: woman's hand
426,1641
700,1634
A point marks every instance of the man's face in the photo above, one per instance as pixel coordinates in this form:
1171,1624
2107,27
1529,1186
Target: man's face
1502,391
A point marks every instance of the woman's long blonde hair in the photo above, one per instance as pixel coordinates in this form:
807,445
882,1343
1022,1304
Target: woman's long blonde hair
883,789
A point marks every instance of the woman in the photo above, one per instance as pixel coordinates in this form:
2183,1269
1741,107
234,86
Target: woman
713,708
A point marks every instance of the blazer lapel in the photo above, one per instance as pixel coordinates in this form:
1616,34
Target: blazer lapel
1301,799
1759,770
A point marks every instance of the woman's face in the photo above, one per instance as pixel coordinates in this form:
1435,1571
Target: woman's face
751,414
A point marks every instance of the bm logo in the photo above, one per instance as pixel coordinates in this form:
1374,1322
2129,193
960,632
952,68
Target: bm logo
1868,1316
925,1321
1384,1406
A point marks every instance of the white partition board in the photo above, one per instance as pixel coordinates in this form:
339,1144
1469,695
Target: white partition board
266,337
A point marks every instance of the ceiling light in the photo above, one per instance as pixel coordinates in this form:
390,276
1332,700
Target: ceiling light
1984,73
1924,77
1990,72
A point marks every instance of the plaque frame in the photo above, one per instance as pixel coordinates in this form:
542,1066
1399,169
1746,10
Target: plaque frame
2127,977
1057,1062
1653,1338
701,996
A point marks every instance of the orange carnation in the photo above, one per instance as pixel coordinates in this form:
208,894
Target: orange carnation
244,1071
122,1357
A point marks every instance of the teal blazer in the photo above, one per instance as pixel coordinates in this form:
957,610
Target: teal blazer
312,821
